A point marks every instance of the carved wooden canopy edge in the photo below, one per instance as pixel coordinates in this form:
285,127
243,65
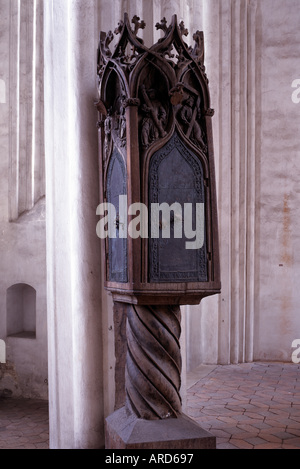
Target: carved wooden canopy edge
130,50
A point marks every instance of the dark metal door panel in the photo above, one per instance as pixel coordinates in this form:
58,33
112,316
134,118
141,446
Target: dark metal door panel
117,247
176,176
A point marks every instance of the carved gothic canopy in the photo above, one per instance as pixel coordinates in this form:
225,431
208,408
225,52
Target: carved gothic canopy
155,144
167,81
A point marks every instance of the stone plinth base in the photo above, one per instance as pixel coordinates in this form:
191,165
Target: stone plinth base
129,432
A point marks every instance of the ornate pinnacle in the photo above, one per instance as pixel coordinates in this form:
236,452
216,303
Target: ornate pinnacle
184,31
105,40
199,46
138,24
119,27
163,25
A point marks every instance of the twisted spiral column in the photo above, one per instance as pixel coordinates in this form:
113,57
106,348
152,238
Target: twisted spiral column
153,364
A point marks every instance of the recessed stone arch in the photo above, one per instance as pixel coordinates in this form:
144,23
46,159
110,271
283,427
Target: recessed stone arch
21,310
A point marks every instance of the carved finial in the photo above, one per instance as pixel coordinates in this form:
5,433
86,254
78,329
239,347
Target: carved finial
184,31
199,46
119,27
105,40
138,24
163,25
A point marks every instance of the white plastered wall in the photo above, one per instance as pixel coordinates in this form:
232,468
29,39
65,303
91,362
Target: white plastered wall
22,190
251,50
251,58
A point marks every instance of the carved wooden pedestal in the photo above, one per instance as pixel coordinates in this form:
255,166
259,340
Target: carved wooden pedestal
126,431
152,417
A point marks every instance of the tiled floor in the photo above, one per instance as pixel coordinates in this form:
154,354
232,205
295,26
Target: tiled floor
24,424
247,406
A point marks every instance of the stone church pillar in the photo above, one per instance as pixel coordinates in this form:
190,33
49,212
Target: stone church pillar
74,283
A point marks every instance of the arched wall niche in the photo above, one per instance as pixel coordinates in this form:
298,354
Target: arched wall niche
21,311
